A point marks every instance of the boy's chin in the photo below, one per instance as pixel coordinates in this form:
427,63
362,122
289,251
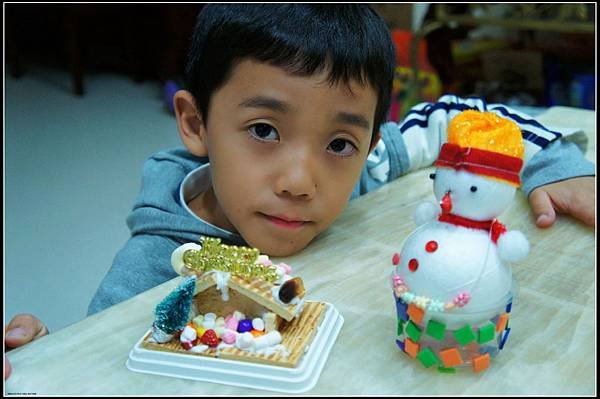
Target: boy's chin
281,248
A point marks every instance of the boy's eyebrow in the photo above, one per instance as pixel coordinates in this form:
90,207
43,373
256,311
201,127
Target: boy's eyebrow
353,119
281,106
265,102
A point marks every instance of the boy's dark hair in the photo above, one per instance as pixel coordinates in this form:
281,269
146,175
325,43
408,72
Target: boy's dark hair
350,40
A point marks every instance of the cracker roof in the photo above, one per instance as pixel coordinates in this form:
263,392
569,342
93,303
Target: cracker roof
259,291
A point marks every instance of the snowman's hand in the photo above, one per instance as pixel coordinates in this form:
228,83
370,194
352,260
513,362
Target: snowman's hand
513,246
425,212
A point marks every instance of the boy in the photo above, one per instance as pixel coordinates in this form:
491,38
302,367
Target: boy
287,101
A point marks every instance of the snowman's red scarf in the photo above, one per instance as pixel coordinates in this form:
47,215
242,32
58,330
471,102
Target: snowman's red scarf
496,228
481,162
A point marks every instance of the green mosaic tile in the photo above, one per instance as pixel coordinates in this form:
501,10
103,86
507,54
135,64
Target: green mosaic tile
446,370
436,329
400,327
464,335
486,333
427,357
413,331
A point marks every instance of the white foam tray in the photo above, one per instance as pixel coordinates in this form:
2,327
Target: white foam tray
245,374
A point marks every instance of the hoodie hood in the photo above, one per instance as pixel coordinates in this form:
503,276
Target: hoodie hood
158,209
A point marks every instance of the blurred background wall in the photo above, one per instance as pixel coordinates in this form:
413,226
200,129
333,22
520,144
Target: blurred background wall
87,101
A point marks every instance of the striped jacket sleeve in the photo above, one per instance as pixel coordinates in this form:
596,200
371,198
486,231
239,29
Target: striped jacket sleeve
415,143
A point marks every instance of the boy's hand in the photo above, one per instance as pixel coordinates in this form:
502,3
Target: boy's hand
575,197
21,330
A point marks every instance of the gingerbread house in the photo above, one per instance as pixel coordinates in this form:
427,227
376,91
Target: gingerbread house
233,281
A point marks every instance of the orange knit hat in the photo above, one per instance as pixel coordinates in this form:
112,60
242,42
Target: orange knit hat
484,143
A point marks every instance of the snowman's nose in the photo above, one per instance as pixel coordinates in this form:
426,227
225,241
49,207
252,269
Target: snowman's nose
446,203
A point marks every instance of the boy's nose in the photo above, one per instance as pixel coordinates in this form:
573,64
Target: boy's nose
297,178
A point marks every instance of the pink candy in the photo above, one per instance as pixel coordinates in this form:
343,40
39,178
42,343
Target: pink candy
231,323
228,337
397,280
462,299
286,268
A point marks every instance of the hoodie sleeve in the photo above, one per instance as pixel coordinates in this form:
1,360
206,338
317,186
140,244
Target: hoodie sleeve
550,154
143,263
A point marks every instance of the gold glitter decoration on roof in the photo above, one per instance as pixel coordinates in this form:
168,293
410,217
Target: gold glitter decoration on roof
486,131
239,261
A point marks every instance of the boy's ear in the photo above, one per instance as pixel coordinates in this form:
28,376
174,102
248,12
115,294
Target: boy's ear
191,126
374,141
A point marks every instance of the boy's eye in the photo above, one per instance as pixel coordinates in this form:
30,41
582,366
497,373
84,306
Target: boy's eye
264,132
342,147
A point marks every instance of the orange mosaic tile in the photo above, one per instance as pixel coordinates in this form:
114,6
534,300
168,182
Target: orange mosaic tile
415,313
451,357
501,324
411,347
481,363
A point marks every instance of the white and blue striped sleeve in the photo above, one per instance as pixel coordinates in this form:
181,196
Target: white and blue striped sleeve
416,142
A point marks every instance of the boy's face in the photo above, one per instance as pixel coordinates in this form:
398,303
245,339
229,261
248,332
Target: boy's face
285,153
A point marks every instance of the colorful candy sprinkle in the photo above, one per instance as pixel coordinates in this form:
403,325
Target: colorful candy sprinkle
396,258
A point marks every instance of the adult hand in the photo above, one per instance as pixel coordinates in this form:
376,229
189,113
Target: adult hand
575,197
22,329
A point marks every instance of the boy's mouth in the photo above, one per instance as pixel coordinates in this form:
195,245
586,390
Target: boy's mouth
285,221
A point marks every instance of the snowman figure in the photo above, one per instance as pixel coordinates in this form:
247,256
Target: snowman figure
454,268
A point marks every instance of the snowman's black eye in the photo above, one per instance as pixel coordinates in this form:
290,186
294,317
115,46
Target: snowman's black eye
473,189
432,176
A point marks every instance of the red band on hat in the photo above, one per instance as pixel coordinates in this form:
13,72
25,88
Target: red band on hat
481,162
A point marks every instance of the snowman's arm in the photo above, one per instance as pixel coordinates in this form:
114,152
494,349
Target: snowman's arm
513,246
426,212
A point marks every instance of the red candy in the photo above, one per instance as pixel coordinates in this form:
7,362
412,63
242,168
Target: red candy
413,265
396,259
187,345
431,246
210,338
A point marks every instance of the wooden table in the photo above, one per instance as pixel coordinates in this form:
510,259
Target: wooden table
551,349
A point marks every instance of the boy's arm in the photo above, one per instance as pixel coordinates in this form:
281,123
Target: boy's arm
550,156
143,263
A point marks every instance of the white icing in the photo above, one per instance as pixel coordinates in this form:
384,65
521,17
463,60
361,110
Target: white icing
160,336
267,340
275,293
199,348
222,279
268,351
299,305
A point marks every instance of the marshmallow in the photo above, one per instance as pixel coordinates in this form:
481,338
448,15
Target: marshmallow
258,324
